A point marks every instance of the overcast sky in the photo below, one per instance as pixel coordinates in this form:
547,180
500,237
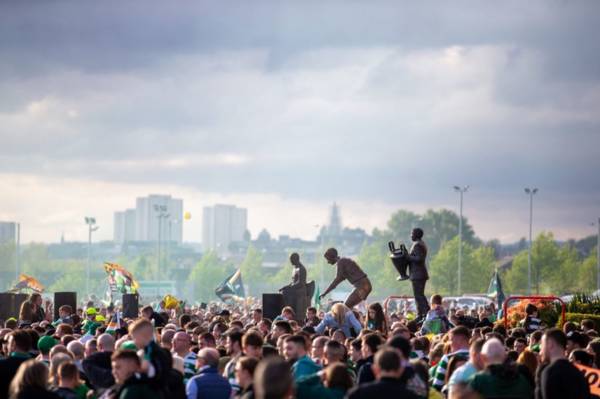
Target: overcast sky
284,107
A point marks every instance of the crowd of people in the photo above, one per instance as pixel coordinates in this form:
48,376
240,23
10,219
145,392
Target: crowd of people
233,352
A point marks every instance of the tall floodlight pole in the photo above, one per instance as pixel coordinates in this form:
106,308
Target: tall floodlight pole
531,192
461,191
17,250
91,223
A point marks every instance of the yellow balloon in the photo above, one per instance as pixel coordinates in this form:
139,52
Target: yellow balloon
187,216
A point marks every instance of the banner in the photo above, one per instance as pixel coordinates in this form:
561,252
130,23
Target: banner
27,283
592,376
495,290
119,279
232,288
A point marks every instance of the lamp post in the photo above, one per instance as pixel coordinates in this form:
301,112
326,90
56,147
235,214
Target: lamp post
17,250
161,213
531,192
461,191
91,223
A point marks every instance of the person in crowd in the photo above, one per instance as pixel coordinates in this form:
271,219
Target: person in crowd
593,349
347,269
295,353
376,320
64,316
149,314
244,375
166,339
370,343
333,383
257,316
273,379
462,375
576,340
156,361
459,346
531,322
559,379
31,382
97,365
340,317
68,381
436,321
252,344
234,351
580,356
181,347
318,348
499,379
287,314
18,347
207,340
388,369
131,382
312,318
208,383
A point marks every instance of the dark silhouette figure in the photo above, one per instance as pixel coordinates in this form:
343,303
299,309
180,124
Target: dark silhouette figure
417,270
296,293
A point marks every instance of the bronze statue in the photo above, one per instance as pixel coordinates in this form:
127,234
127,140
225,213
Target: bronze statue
414,261
296,294
347,269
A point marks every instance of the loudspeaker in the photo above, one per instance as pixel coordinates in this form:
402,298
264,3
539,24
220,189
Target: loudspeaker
18,300
64,298
272,305
130,306
7,306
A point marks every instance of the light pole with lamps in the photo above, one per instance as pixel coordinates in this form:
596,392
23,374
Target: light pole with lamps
531,192
461,191
91,223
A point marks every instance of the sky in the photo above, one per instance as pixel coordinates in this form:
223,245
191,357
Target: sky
284,107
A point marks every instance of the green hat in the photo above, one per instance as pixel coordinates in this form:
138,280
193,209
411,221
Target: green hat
129,345
90,311
46,343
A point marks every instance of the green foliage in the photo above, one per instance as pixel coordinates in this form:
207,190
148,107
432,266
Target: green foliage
207,275
583,303
477,268
252,273
589,272
578,317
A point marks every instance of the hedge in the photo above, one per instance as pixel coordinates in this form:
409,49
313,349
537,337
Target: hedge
578,317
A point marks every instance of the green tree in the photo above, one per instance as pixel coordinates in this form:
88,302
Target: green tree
252,273
588,274
207,275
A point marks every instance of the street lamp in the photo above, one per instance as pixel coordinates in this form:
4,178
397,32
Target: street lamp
461,191
161,211
531,192
91,223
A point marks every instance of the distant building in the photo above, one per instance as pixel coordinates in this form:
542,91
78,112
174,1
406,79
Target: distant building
124,226
8,232
223,225
142,223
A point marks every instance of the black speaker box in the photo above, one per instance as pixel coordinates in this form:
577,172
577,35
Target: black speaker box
130,306
7,306
272,305
64,298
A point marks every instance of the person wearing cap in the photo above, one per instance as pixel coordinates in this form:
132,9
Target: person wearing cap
44,345
347,269
90,325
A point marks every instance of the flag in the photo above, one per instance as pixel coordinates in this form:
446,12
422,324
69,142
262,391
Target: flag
119,279
231,288
495,290
27,282
315,300
114,324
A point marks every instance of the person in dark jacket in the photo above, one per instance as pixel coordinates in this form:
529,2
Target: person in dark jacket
244,375
31,382
208,383
97,366
156,361
369,346
126,367
388,369
19,345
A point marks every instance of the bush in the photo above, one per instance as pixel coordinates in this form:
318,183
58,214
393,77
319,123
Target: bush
578,317
549,312
582,303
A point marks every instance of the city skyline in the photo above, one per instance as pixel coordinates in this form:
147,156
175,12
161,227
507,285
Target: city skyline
236,103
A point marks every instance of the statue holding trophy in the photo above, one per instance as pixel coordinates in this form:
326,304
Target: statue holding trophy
411,265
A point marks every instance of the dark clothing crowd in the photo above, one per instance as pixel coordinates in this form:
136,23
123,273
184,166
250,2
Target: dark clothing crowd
233,351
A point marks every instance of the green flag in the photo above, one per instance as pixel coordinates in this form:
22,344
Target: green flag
495,290
316,301
231,288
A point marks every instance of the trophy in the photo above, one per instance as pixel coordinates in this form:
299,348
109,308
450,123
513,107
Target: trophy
399,257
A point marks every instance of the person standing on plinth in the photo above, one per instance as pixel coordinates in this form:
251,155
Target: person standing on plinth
347,269
298,286
418,271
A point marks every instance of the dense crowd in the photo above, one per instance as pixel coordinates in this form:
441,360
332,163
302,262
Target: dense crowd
228,351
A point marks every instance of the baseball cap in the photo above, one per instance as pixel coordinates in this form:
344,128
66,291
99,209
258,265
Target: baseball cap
46,343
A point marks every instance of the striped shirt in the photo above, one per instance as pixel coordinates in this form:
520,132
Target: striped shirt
189,366
440,372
